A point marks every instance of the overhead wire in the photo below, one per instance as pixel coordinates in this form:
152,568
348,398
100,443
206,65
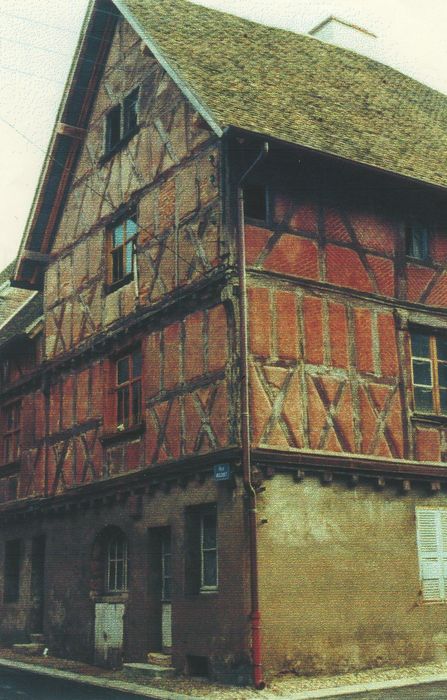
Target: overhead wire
158,238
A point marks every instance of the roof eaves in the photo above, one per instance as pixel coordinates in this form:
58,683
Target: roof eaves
51,146
336,156
173,74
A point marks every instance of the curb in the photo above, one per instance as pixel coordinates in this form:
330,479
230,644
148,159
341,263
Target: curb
123,686
367,687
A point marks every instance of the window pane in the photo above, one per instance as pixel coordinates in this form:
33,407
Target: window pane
120,575
117,265
129,258
443,400
423,399
420,345
112,576
137,364
123,406
130,112
209,568
167,565
118,236
131,227
442,374
418,241
255,202
123,370
167,588
136,402
441,347
422,372
209,531
113,126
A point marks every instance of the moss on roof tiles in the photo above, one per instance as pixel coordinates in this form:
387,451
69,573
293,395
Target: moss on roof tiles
298,89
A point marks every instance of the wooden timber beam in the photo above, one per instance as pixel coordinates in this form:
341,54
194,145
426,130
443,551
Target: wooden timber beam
74,132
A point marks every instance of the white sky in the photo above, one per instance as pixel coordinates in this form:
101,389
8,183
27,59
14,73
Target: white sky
38,38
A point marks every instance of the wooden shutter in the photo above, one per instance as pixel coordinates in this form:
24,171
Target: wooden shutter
432,548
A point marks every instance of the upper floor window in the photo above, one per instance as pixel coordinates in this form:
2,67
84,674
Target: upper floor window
429,368
11,431
418,236
121,121
128,389
122,242
432,550
256,202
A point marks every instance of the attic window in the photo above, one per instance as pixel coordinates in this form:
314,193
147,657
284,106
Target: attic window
113,128
255,202
121,122
130,115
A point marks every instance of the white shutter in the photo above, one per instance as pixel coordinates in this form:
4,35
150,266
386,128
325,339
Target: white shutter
431,537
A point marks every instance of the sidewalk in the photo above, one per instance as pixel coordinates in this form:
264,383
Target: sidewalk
287,687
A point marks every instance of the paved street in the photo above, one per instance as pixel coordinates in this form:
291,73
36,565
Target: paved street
27,686
428,691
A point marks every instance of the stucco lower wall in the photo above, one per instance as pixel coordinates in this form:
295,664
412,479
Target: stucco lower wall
339,578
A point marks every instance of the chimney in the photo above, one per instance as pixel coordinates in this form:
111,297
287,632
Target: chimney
349,36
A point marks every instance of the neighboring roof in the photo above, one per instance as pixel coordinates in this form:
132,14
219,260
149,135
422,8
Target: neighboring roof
298,89
19,308
238,73
22,321
6,274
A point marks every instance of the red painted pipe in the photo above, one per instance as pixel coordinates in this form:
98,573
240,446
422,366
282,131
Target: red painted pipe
255,616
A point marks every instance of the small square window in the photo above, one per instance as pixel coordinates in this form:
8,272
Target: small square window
418,237
255,202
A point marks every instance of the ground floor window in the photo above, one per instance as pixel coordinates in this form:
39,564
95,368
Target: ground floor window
13,551
432,549
201,549
116,572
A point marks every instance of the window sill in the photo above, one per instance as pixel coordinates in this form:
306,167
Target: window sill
120,283
206,590
429,418
118,146
110,597
125,434
419,261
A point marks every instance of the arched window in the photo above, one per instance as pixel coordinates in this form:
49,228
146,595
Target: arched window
116,564
109,562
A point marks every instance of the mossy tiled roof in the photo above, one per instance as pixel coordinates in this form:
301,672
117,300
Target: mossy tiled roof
299,89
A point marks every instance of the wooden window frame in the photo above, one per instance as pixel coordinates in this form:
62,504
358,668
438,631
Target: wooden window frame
119,252
166,571
126,387
263,221
129,105
116,554
204,585
410,242
11,432
433,360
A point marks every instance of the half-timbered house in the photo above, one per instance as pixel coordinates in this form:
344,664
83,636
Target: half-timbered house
224,356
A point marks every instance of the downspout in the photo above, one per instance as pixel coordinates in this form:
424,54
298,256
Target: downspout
255,616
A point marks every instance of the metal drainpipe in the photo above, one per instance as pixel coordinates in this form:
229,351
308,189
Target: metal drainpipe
255,616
